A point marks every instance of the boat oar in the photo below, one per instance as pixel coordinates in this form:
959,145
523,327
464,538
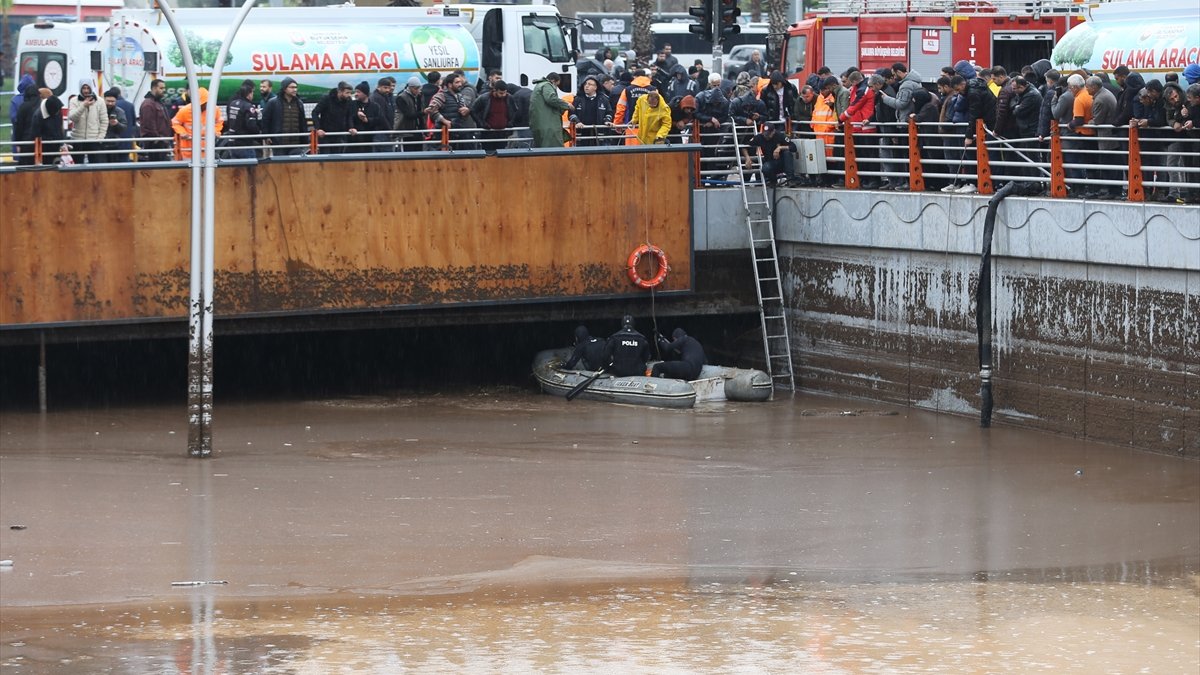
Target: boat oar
578,389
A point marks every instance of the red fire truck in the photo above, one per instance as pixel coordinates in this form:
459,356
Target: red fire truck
927,34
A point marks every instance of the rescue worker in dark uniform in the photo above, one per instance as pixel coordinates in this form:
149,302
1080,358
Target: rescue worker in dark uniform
591,350
628,350
685,357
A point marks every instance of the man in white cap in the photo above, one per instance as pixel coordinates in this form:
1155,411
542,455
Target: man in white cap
410,115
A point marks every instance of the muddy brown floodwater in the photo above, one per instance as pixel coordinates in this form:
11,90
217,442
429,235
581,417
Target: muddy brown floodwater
505,531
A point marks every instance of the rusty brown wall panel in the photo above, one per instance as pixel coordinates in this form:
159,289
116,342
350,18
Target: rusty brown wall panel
313,236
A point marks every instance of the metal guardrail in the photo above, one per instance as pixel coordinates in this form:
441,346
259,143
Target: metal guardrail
926,157
1152,163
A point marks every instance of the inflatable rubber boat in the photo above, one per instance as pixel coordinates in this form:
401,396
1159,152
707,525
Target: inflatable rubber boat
716,383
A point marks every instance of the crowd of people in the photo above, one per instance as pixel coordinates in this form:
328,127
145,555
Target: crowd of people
621,100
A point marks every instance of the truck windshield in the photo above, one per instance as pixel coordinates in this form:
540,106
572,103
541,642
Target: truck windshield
544,37
48,70
794,59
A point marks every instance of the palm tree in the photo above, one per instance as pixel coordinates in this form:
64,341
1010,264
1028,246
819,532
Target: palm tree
777,15
641,40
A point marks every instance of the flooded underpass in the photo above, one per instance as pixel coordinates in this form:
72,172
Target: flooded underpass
494,529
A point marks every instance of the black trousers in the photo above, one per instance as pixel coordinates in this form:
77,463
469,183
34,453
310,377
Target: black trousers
680,370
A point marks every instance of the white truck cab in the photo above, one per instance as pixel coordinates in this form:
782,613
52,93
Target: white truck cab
524,42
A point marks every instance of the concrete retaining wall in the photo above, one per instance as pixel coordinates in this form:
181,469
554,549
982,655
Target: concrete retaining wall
1097,306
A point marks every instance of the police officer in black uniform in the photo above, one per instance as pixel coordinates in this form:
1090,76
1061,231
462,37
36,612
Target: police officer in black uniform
685,356
628,350
591,350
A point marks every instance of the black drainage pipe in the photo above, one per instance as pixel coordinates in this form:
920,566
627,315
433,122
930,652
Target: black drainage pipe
983,306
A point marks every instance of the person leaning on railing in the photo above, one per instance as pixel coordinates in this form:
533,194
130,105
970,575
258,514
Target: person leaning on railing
927,108
858,116
1191,128
712,109
1181,153
1104,113
1076,127
825,122
651,119
1025,108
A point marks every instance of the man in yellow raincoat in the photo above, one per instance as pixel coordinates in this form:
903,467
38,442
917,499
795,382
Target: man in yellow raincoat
652,116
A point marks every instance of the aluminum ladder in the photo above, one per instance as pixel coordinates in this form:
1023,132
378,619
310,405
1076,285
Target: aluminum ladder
777,347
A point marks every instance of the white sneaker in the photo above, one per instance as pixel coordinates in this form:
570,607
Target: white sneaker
950,188
966,189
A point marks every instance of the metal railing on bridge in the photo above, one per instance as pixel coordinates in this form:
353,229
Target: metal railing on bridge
1111,162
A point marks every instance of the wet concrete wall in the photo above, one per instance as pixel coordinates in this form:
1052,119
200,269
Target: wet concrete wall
1097,307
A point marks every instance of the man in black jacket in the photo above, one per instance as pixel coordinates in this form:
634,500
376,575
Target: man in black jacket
241,117
779,97
283,117
495,112
981,102
685,357
23,128
593,110
382,97
334,115
47,125
592,351
366,121
410,115
628,350
1025,108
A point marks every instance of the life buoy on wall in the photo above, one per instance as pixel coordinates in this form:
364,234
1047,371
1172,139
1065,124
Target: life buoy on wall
659,256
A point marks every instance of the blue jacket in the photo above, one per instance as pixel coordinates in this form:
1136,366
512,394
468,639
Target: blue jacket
26,81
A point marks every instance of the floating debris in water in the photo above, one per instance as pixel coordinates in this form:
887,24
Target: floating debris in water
18,527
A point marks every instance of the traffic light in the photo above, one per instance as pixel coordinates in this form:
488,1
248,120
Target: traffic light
705,14
727,20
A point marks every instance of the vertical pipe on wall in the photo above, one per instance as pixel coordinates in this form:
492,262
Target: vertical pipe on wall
983,306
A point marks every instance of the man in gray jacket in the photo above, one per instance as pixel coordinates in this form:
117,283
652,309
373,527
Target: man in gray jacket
1104,113
906,84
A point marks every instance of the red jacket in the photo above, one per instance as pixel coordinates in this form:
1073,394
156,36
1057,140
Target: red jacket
861,109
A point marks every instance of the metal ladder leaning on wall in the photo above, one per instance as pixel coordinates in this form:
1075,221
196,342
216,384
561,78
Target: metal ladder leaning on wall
767,282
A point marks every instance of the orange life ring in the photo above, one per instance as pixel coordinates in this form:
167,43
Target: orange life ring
659,256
